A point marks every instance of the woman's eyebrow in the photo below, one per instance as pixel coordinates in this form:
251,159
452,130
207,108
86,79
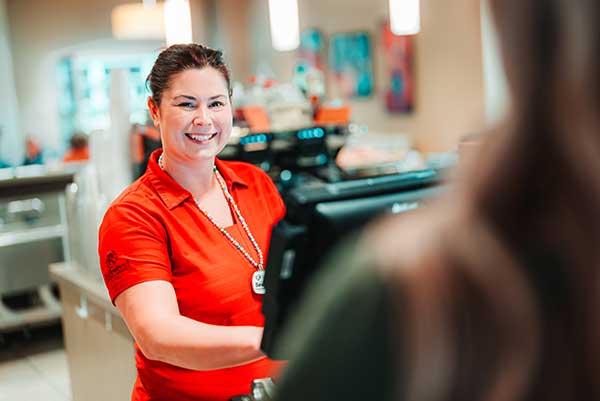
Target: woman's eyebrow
188,97
185,96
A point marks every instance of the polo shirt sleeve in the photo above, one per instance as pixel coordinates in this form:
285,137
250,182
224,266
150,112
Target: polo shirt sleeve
132,247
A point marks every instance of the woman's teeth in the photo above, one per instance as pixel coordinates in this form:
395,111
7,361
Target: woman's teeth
201,138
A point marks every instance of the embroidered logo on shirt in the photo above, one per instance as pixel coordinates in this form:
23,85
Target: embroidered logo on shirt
116,265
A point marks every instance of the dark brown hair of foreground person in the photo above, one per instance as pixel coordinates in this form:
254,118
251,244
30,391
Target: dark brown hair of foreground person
503,295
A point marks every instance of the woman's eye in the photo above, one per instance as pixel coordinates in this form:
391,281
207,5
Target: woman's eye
216,104
186,104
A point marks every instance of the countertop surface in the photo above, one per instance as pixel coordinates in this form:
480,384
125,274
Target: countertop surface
68,274
21,185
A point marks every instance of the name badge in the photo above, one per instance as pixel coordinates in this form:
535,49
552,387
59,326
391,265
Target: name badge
258,282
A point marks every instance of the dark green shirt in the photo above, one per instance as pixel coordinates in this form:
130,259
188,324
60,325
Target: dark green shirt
339,340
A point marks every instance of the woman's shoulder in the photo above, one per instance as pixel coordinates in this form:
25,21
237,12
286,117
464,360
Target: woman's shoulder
138,192
137,201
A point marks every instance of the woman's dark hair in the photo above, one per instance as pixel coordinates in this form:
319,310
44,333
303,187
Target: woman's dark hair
541,191
513,284
178,58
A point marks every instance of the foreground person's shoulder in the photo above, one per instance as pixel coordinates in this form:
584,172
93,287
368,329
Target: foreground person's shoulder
403,241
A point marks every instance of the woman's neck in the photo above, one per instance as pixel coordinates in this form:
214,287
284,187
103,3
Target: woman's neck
197,177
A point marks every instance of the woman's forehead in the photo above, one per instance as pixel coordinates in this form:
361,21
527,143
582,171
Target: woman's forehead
203,80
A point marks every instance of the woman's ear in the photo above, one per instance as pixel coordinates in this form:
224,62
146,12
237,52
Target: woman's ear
153,111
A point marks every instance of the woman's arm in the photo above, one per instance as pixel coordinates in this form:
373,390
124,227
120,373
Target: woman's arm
151,313
133,255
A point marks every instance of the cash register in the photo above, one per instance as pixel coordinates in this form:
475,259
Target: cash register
319,214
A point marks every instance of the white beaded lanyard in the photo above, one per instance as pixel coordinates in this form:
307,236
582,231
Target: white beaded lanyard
258,277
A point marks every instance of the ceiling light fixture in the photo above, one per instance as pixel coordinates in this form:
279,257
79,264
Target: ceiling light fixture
178,22
405,17
283,18
137,21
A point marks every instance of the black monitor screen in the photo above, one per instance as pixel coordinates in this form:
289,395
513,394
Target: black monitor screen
318,217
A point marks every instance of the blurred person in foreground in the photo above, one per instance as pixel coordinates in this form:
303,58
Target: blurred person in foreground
492,292
181,249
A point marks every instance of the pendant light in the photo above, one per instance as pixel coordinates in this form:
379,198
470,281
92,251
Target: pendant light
283,18
178,22
138,21
405,17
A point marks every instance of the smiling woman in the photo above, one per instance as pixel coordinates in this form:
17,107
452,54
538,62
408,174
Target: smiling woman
195,118
181,249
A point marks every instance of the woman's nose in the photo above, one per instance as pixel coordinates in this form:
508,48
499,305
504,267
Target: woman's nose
201,118
199,121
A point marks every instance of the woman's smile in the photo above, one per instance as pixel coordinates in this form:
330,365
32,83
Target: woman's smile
201,138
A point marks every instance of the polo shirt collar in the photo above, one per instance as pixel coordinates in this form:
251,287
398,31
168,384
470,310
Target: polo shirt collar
231,177
173,194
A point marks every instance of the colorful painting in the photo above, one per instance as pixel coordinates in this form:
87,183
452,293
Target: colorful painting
351,62
399,91
312,46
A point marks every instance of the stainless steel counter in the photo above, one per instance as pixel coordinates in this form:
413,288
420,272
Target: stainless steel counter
32,235
98,344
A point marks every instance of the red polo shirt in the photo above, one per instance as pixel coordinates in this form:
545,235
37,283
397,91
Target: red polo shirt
155,231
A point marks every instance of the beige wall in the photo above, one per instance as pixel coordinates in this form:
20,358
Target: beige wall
11,148
232,23
450,95
449,71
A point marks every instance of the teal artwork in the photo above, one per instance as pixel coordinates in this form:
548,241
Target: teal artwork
311,48
351,62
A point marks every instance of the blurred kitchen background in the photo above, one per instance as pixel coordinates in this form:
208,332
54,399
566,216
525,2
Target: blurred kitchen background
362,98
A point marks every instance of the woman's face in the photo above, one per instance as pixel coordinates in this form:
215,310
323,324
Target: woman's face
194,115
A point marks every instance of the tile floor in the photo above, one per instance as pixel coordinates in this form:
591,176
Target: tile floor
33,366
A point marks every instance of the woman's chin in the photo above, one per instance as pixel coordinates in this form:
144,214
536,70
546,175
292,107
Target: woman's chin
207,152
